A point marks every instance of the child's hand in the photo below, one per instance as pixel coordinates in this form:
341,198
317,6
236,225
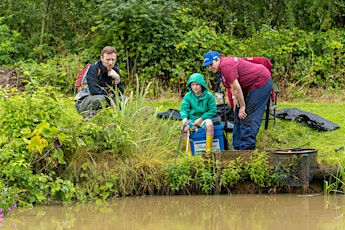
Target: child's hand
198,122
184,121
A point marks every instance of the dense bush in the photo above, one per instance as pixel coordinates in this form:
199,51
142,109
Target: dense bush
300,60
164,41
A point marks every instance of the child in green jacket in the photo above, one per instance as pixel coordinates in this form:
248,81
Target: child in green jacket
197,109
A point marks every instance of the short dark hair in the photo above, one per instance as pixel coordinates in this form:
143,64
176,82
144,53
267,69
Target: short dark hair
109,50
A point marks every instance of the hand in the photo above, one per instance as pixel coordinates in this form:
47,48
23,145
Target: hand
198,122
184,121
112,73
242,113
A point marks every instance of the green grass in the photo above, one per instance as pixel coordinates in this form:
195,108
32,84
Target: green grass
291,134
326,142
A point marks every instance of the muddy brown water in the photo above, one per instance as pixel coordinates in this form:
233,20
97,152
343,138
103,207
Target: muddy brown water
189,212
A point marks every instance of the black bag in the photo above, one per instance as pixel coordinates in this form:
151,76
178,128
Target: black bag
171,113
225,111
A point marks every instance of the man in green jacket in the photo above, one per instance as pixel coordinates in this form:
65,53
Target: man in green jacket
197,109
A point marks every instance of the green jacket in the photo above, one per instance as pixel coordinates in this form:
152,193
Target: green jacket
194,107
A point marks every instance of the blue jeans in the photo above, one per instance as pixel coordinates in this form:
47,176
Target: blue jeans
245,130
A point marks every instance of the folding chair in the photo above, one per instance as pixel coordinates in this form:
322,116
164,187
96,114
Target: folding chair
271,106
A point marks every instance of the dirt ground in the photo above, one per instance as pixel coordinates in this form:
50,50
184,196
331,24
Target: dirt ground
9,78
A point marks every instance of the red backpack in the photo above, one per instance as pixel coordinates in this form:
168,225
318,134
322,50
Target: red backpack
260,60
81,78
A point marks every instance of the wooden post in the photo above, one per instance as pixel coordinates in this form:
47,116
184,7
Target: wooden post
304,172
217,159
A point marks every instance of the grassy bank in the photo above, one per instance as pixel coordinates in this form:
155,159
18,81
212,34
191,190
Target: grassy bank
49,153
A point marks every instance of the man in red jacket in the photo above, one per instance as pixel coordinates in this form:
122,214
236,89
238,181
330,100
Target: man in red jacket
249,85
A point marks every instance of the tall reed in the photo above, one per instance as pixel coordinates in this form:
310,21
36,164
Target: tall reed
125,145
335,183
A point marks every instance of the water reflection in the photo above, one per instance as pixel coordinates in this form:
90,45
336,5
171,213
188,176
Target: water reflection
189,212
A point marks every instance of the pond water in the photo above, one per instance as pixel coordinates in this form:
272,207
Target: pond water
189,212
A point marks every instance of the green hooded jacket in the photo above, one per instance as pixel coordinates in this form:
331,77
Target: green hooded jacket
194,107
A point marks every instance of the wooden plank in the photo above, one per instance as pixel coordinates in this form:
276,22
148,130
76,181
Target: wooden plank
226,156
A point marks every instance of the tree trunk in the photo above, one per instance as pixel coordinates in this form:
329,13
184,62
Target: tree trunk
43,23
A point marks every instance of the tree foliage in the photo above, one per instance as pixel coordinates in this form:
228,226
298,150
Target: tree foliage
164,40
9,47
145,32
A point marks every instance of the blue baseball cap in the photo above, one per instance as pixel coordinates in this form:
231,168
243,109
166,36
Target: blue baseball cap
209,57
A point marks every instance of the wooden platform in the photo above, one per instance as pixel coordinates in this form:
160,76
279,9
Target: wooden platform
226,156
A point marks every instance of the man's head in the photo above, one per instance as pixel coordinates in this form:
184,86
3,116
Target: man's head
109,57
212,61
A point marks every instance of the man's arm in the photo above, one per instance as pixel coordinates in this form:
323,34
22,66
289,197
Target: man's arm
237,94
115,74
93,81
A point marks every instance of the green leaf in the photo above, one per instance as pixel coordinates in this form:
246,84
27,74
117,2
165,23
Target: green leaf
80,142
103,187
40,197
40,128
3,139
37,144
26,132
105,195
59,154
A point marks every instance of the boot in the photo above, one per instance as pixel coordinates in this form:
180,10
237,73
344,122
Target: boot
209,140
184,146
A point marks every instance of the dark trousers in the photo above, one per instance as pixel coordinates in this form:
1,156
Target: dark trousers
245,130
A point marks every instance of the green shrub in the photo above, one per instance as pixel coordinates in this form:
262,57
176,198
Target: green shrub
178,176
10,46
259,169
231,174
59,73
